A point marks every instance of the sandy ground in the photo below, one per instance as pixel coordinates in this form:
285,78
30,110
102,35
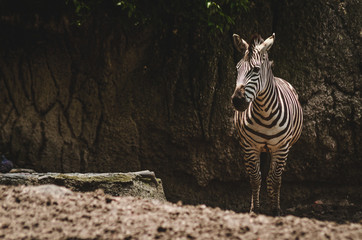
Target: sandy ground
52,212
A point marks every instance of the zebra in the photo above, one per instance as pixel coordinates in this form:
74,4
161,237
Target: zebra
268,117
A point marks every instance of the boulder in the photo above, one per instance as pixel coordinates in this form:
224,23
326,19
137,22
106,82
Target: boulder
137,184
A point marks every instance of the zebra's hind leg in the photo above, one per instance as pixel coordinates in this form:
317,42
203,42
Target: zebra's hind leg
252,164
274,180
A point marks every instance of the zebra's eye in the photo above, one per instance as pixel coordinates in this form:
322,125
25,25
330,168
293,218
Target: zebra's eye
256,69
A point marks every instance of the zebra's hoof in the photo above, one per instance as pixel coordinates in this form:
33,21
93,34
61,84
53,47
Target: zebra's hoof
254,211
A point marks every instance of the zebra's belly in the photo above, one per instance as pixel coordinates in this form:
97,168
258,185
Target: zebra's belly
266,139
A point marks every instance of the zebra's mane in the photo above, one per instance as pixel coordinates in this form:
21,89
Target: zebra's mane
255,40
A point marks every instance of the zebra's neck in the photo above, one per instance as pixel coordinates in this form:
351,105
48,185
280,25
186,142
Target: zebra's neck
266,101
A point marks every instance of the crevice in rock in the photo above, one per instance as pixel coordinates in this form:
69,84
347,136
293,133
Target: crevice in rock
9,92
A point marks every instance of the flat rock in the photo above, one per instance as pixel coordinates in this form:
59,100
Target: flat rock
142,184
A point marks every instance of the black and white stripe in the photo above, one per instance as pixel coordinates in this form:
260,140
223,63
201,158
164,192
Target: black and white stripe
268,117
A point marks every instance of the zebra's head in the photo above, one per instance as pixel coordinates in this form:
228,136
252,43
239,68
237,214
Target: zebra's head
253,70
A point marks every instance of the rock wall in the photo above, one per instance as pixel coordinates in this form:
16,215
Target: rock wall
102,98
322,62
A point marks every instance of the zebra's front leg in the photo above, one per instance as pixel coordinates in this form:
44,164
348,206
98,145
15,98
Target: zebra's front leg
274,180
252,164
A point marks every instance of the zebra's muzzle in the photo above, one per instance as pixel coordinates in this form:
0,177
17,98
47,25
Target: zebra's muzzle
239,104
238,100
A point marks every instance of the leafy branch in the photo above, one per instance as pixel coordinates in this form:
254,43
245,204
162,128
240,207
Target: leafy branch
222,15
218,15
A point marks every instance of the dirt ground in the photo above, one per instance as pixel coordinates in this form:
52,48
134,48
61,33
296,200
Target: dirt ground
52,212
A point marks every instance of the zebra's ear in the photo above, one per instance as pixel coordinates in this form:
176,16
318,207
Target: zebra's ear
266,45
240,44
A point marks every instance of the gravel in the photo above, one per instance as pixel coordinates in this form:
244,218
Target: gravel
53,212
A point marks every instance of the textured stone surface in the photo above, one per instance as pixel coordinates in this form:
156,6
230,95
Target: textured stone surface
101,99
137,184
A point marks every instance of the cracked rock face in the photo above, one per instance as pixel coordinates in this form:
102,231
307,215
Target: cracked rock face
98,99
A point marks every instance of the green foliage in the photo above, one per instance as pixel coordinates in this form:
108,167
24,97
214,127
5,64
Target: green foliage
219,15
222,14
